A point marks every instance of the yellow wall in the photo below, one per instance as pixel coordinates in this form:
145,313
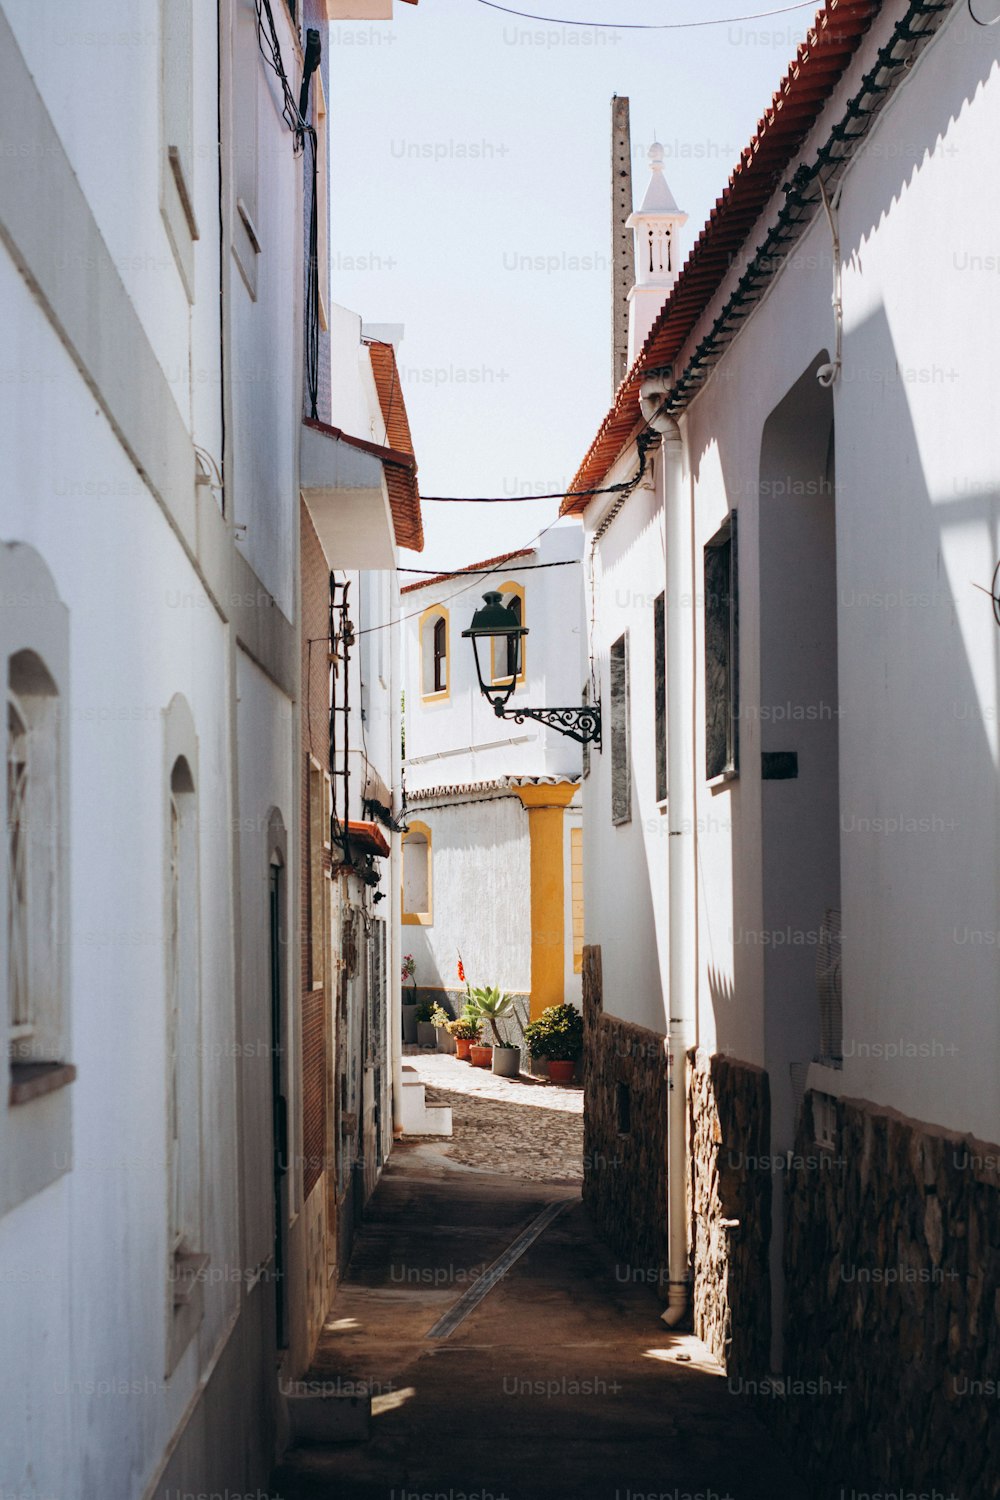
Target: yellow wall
545,807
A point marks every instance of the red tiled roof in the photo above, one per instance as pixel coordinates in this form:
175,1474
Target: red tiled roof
404,495
480,567
816,70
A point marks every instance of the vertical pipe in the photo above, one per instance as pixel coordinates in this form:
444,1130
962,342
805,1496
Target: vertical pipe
681,887
396,861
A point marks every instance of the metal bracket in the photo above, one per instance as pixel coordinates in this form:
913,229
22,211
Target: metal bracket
582,724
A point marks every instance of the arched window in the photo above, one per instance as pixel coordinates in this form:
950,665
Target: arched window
435,668
417,876
505,651
36,1124
182,973
35,1022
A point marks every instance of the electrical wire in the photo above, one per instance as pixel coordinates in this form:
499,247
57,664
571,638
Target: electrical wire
608,489
270,51
627,485
758,15
443,573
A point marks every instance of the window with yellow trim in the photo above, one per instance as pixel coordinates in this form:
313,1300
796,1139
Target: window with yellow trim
417,876
504,650
435,649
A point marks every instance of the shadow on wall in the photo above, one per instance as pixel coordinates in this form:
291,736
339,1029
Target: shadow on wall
912,716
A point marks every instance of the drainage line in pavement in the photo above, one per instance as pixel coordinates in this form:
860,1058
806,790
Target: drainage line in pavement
471,1299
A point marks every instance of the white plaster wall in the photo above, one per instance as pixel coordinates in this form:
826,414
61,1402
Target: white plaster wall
97,69
482,896
354,403
83,1284
460,740
573,818
625,866
150,634
918,474
266,343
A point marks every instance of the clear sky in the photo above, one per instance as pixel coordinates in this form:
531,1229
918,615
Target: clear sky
470,202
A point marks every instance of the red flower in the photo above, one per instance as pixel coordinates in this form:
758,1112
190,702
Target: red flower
461,969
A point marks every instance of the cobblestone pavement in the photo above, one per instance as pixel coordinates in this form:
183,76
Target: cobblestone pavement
562,1384
523,1126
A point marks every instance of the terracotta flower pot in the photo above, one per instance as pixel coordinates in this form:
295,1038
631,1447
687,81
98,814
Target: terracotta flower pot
462,1045
480,1055
561,1070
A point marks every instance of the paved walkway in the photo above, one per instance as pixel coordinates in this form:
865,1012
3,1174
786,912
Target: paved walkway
525,1126
562,1384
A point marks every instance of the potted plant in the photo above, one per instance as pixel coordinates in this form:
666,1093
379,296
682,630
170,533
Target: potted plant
426,1031
409,1005
557,1036
491,1004
465,1032
439,1020
506,1059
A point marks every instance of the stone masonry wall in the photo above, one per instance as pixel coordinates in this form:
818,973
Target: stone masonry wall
729,1129
892,1258
624,1172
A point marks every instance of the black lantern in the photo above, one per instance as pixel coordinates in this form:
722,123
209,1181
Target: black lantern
497,621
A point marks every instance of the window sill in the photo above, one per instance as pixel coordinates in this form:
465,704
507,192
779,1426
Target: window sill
33,1080
188,1274
724,779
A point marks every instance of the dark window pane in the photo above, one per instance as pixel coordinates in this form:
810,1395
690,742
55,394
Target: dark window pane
660,694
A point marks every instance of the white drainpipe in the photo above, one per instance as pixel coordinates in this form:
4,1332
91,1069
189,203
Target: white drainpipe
396,871
681,825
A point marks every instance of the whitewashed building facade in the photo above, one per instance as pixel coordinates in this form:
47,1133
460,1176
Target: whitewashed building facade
802,812
492,856
153,1261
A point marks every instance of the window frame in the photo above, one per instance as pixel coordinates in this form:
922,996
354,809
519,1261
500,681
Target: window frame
36,1119
417,918
510,591
427,627
620,733
660,696
724,767
185,1263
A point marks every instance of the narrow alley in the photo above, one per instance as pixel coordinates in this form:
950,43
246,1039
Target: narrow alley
499,609
562,1383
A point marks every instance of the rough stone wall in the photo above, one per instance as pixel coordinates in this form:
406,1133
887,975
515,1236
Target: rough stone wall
624,1174
730,1185
892,1259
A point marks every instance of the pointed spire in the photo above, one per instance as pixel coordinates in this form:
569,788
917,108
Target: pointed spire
659,199
655,225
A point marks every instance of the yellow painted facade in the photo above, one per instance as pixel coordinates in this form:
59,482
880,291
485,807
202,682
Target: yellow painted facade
546,807
576,895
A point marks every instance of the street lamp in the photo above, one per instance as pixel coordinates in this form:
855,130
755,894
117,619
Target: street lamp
497,621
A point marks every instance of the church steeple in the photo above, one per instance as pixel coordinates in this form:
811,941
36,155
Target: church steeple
655,225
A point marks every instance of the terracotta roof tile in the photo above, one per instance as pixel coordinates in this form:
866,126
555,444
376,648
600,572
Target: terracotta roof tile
404,493
812,76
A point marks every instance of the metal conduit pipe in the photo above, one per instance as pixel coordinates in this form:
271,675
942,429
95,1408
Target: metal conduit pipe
681,825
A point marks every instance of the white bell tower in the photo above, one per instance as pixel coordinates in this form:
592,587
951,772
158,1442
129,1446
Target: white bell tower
655,225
